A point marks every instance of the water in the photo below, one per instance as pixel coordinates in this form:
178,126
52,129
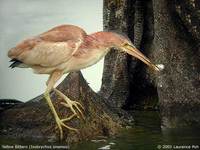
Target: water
146,134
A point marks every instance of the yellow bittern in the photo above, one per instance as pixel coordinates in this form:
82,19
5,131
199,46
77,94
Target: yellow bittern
64,49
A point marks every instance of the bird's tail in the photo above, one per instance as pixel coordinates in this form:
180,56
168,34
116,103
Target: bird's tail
17,63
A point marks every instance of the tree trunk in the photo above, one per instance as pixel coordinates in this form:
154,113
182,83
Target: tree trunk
33,120
126,81
168,33
178,49
165,31
115,83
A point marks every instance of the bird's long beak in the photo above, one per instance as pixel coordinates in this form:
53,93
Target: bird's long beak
133,51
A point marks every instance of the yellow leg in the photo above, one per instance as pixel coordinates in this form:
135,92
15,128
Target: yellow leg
60,122
72,105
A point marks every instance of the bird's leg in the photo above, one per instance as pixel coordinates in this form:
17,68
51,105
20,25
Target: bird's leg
73,105
50,83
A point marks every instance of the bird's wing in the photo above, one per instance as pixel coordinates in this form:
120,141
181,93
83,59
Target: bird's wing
49,48
63,33
48,54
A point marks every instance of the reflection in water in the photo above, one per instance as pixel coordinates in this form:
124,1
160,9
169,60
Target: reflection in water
145,134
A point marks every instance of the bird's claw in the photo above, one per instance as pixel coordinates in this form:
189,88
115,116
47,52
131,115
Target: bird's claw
73,105
68,118
76,109
60,123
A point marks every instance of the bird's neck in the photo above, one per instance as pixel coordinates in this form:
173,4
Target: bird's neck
103,40
92,42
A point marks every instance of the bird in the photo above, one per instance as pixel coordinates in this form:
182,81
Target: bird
64,49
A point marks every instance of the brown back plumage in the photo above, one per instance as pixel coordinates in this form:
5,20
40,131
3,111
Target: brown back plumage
61,33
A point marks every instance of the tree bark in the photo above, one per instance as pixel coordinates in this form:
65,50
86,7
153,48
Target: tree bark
126,81
168,33
165,31
178,49
33,120
115,83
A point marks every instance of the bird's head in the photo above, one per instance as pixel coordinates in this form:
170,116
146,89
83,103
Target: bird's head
110,39
133,51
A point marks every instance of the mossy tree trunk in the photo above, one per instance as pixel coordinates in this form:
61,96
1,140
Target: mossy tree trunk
168,33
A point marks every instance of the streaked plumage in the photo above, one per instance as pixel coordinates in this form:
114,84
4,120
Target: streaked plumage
64,49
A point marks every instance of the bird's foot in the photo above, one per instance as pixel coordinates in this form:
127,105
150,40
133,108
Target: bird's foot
61,124
76,109
74,106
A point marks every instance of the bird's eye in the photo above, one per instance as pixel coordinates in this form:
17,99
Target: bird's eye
125,44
